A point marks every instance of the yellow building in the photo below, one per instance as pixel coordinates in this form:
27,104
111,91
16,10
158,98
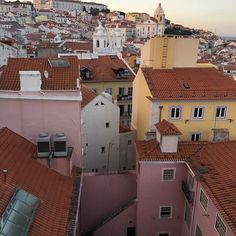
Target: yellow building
112,75
170,85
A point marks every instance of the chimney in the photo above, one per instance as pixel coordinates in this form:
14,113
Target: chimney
219,135
167,135
30,81
4,175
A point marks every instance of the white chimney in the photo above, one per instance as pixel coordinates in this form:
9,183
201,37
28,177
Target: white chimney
168,136
30,80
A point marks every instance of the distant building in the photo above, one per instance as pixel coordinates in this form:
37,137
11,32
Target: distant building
7,50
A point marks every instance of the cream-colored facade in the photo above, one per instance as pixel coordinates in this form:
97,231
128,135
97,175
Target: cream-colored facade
124,101
147,111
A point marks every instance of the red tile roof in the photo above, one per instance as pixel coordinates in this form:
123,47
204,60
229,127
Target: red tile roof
62,78
167,128
218,158
53,189
124,129
204,84
102,69
87,95
78,46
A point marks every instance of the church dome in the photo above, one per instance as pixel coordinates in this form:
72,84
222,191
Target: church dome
100,30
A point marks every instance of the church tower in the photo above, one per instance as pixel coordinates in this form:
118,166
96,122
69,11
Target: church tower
159,15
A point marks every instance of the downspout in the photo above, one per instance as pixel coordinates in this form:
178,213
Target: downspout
160,112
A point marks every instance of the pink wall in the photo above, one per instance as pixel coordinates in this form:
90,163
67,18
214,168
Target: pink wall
153,193
30,117
118,226
205,220
102,195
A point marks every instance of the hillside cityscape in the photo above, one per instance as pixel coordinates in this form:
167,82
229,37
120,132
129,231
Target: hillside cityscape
114,123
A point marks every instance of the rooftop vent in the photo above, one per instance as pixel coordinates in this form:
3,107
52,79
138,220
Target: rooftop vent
186,85
60,145
59,63
43,145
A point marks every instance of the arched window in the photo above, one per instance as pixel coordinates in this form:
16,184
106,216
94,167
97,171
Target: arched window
98,44
160,18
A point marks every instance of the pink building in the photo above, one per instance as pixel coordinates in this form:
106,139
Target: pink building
42,95
183,189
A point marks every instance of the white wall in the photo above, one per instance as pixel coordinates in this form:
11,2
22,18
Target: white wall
6,51
96,135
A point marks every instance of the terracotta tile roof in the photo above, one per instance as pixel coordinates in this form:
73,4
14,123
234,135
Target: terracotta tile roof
62,78
218,158
189,83
77,46
102,69
53,189
167,128
87,95
124,129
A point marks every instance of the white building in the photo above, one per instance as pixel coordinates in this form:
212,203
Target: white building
6,51
105,43
68,5
104,147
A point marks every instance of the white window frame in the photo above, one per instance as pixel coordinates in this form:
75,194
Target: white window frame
180,112
223,224
171,210
195,133
203,112
203,207
163,171
220,107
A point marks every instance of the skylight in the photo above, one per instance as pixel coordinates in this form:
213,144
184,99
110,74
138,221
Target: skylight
18,215
59,63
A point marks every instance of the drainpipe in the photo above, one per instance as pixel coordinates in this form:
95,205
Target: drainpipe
160,112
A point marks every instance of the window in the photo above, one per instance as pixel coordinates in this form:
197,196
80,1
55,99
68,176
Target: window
107,124
221,112
130,91
94,90
97,43
220,226
165,212
121,91
198,231
109,90
187,215
168,174
129,142
129,108
196,137
102,149
203,200
163,234
198,113
175,113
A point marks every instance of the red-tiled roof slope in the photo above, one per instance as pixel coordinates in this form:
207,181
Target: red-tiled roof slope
124,129
82,45
87,95
189,83
53,189
62,78
218,158
167,128
102,69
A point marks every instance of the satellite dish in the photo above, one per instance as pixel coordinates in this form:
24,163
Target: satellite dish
46,74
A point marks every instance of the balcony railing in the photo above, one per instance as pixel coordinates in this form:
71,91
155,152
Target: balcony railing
121,97
187,192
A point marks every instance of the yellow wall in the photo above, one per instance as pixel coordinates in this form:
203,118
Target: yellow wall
141,106
187,125
102,86
180,52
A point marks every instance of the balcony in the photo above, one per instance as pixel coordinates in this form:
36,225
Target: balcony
122,97
187,192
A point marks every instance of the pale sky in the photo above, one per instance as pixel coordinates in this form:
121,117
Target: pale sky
214,15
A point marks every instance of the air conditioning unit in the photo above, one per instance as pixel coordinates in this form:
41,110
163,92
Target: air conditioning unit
60,145
43,145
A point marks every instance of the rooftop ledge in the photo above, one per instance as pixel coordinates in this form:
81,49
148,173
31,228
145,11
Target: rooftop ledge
70,95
